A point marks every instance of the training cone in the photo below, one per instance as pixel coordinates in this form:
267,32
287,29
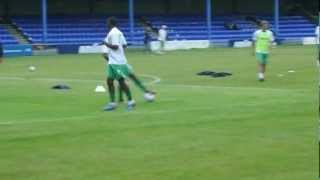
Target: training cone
100,89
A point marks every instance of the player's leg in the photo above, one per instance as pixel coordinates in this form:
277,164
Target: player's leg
126,90
148,94
137,81
261,72
262,62
111,89
139,84
120,93
147,43
161,46
263,68
121,72
125,70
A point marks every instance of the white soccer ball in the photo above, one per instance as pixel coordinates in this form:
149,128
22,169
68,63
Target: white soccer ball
32,68
149,97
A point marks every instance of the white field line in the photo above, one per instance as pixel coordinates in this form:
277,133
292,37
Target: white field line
85,117
12,78
44,121
155,79
233,87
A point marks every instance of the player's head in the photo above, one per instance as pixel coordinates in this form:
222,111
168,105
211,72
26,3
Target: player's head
112,22
264,25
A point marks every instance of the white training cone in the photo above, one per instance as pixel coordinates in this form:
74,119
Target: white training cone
100,89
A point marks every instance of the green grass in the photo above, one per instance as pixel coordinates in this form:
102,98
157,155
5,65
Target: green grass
198,128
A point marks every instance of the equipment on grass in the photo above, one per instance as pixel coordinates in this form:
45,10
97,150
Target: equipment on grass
32,68
100,89
214,74
61,87
149,97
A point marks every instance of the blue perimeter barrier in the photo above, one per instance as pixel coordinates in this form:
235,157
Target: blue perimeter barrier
17,50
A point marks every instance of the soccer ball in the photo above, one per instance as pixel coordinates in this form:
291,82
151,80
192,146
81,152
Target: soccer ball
149,97
32,68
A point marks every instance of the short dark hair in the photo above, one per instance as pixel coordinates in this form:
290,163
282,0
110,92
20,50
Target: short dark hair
112,21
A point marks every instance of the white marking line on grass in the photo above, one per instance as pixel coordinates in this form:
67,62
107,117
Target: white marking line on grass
44,121
155,79
231,87
85,118
12,78
5,123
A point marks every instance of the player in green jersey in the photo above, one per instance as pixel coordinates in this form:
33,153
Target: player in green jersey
262,40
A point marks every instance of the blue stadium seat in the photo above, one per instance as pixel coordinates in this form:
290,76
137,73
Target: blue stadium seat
6,37
87,30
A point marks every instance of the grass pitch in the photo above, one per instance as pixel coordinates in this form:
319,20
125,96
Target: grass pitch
198,128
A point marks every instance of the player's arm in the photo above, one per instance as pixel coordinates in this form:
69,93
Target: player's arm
111,46
253,47
105,56
114,47
123,42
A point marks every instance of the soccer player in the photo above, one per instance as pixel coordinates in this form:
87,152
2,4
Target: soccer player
135,79
317,33
147,36
162,37
262,40
117,65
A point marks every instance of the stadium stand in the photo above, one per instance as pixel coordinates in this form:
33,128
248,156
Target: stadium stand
88,30
6,37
